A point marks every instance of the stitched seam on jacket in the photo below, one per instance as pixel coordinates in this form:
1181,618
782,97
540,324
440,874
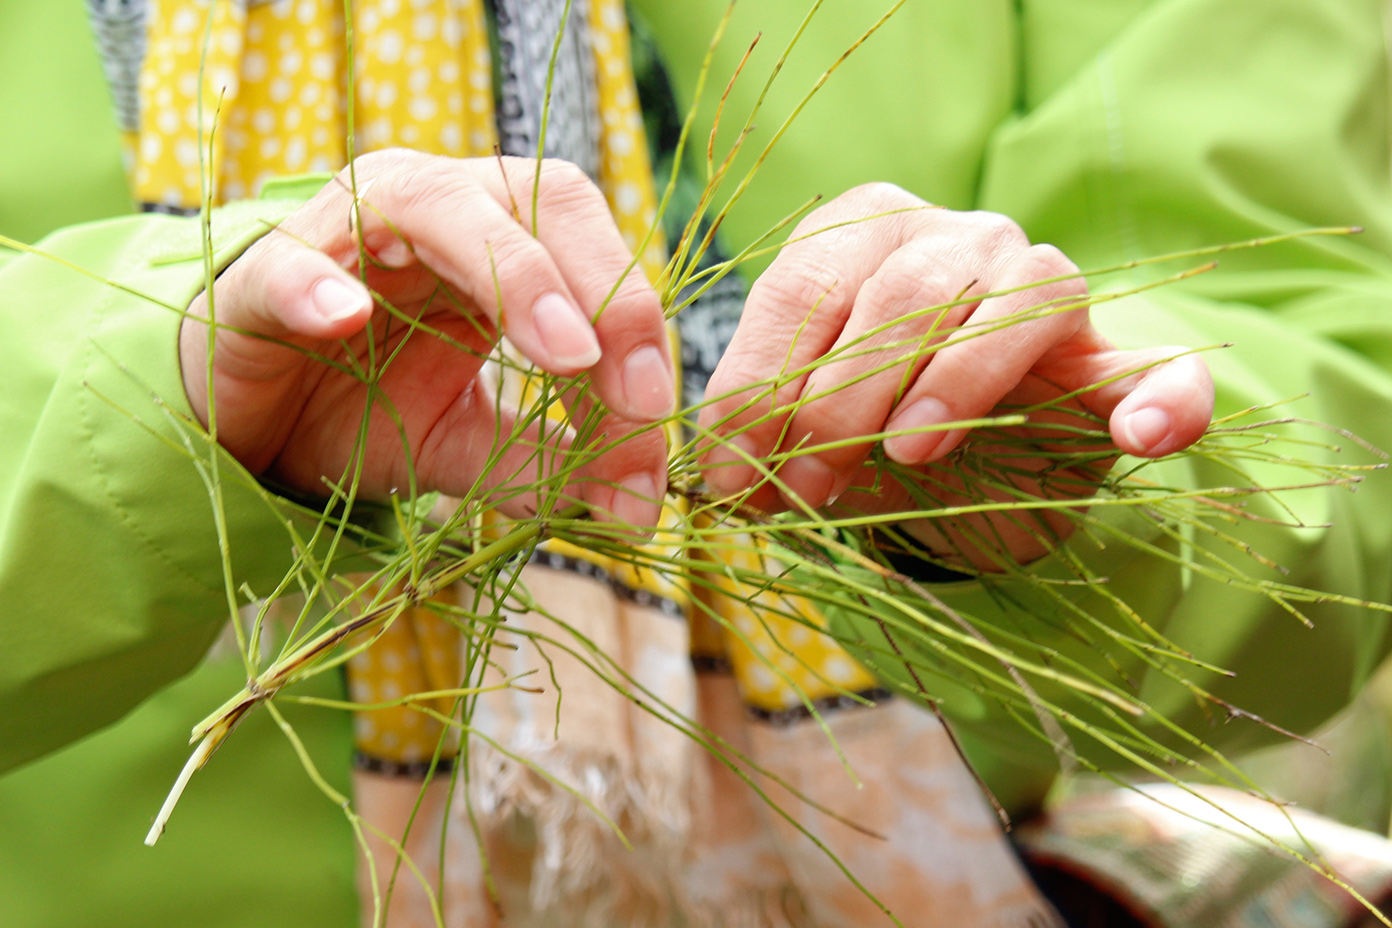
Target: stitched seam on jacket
128,260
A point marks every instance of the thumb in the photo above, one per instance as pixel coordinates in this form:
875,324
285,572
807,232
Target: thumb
1156,400
279,290
1169,409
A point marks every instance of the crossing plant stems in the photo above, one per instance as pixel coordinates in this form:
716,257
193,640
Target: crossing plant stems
835,559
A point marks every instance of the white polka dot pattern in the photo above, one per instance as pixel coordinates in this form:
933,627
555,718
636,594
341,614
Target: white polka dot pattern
275,86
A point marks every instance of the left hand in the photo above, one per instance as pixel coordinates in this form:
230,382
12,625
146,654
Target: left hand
831,288
457,258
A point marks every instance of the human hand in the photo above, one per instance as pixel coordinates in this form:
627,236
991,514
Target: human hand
296,419
833,291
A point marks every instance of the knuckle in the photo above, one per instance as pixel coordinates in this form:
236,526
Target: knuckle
564,186
885,194
796,286
1049,261
1048,258
635,297
564,173
903,287
378,161
859,202
422,188
1045,262
997,232
391,164
516,256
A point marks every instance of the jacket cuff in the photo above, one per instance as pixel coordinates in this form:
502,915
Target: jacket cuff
110,569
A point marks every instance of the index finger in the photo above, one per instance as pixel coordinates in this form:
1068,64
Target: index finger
967,378
568,298
546,291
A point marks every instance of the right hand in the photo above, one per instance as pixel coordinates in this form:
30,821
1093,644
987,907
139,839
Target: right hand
856,279
287,416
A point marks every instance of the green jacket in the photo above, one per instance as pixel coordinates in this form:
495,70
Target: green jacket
1115,131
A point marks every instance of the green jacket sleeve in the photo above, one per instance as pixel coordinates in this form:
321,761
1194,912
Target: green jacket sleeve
1293,676
1121,131
1198,122
110,584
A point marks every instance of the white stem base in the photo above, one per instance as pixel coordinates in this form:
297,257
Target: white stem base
197,759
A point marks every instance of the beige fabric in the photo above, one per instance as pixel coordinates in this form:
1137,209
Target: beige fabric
706,850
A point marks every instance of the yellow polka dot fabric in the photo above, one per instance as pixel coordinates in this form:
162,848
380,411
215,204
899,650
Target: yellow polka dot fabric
418,653
779,661
275,96
178,112
423,77
275,89
625,172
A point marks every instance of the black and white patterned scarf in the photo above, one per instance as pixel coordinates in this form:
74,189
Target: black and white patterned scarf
527,31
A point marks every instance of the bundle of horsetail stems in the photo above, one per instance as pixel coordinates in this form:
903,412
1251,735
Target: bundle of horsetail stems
795,565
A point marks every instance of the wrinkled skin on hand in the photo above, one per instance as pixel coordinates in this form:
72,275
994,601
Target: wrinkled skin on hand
288,416
457,257
829,290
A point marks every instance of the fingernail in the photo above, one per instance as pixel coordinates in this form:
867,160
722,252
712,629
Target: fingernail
1145,428
637,502
335,299
727,471
565,332
649,389
808,479
918,447
395,253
